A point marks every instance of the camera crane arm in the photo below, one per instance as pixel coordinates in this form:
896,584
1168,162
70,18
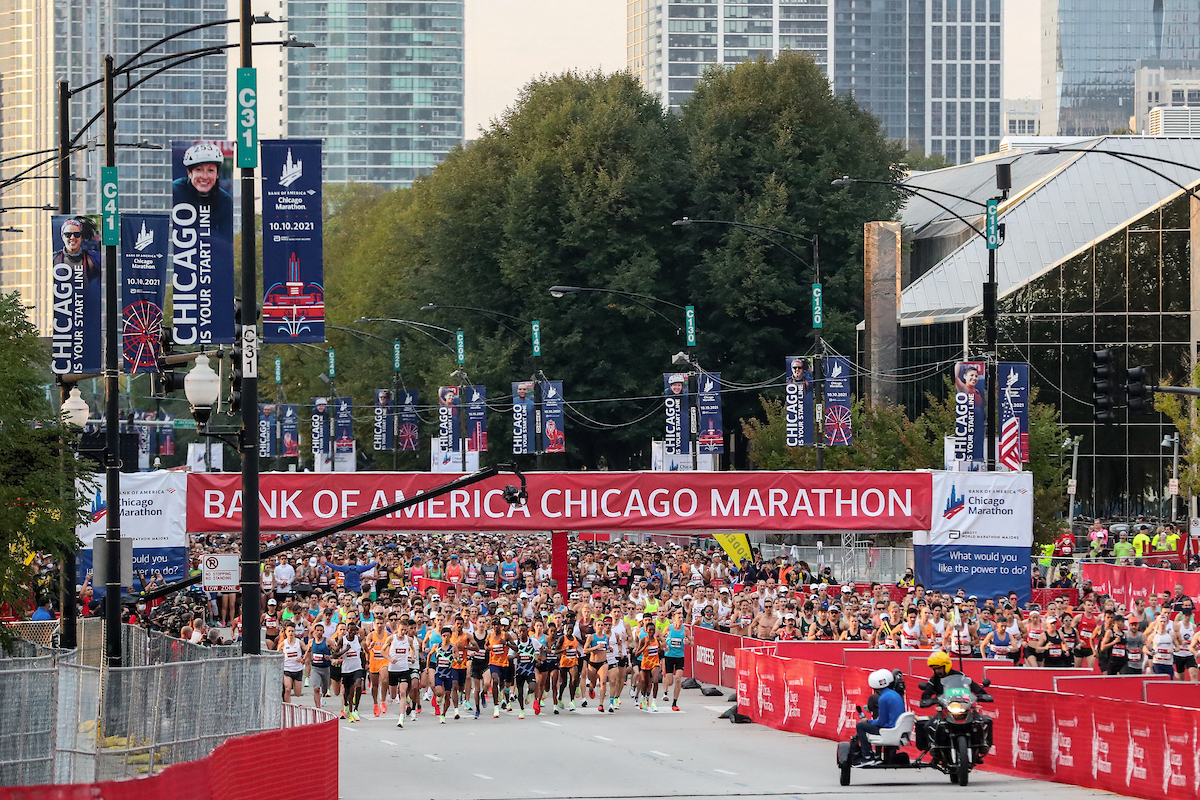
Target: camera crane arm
512,495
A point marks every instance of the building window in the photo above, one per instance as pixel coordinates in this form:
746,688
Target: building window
1193,97
951,41
951,80
964,49
951,120
935,43
1012,126
1176,96
935,81
935,119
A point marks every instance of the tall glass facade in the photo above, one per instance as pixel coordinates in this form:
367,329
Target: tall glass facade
1090,50
965,88
383,87
1130,291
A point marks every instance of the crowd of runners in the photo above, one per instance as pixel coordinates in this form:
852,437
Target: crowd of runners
499,635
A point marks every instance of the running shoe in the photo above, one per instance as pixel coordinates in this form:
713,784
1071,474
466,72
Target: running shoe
556,709
632,694
585,703
456,712
521,715
436,710
537,708
571,706
467,706
354,717
612,705
306,683
343,713
674,706
666,697
400,722
442,718
477,713
654,706
495,712
600,709
377,709
383,706
592,692
419,709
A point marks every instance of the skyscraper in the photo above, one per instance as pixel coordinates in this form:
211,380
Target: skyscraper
44,42
383,86
929,69
1090,52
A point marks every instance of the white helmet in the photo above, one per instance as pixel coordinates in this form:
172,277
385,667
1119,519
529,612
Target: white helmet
203,153
880,679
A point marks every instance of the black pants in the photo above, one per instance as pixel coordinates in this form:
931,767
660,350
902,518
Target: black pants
865,727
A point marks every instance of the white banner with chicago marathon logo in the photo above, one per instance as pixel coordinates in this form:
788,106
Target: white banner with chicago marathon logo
980,536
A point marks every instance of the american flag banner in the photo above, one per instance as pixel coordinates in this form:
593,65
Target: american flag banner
1013,448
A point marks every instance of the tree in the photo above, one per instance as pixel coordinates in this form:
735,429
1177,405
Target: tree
38,500
1182,412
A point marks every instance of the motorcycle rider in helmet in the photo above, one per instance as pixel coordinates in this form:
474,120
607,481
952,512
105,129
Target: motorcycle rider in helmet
942,668
891,706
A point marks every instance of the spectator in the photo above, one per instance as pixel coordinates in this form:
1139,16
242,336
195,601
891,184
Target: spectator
1141,543
1123,550
45,611
1098,540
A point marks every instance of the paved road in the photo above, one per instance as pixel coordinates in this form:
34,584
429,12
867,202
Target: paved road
632,754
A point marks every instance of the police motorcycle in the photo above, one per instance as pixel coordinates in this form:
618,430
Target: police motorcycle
955,739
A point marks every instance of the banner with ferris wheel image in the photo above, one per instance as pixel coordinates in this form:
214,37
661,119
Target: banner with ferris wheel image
838,426
144,242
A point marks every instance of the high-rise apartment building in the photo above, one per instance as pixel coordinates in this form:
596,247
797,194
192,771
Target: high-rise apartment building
44,41
929,69
1090,54
383,87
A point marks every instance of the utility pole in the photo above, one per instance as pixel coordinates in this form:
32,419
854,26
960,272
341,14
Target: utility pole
112,429
994,239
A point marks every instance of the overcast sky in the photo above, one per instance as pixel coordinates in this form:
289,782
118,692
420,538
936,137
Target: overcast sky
510,42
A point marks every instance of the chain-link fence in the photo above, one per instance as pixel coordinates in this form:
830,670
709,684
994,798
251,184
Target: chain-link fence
68,722
859,564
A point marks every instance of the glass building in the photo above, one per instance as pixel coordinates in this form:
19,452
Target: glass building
42,42
1097,254
383,87
929,69
1090,50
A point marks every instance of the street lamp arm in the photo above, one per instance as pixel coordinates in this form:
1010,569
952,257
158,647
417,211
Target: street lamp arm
126,64
846,181
363,337
483,312
1129,158
559,291
416,326
679,223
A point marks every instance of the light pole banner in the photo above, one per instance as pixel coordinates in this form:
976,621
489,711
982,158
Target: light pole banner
76,343
144,245
523,418
970,412
408,431
593,500
319,436
554,416
798,402
980,536
1013,449
476,418
708,402
448,419
153,515
268,415
293,251
145,434
676,438
343,433
289,431
166,435
202,242
382,431
838,427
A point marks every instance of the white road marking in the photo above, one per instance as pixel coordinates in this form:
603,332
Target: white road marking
659,753
538,791
481,775
724,772
555,724
603,738
432,757
349,730
385,741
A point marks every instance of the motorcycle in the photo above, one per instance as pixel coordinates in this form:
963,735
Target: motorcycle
955,739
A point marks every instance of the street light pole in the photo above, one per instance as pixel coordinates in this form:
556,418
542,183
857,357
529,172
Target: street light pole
112,428
250,570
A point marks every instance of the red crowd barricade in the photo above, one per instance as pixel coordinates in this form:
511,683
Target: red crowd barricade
1130,747
1113,687
235,770
1043,596
441,587
1172,693
1127,583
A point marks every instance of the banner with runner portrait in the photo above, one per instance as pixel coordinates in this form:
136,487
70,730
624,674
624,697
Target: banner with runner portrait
448,419
202,242
524,425
293,251
319,443
554,418
970,412
799,414
838,421
476,402
1013,448
76,341
144,246
408,431
676,434
289,431
711,437
385,421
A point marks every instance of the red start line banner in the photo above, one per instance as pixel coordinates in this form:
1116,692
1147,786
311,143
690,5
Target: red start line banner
771,501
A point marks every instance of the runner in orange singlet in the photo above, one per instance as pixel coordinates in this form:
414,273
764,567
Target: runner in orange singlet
376,646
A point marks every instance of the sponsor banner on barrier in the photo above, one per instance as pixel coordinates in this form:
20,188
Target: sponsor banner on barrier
1127,583
75,282
869,501
153,508
202,242
981,532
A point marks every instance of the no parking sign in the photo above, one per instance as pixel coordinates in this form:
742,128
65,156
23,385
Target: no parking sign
220,573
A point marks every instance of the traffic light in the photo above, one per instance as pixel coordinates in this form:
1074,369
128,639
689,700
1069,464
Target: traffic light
1105,387
167,382
236,367
1137,393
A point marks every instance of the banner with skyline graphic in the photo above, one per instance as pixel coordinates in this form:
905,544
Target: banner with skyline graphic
293,249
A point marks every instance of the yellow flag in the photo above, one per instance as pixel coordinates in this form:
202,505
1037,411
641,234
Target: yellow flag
737,545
